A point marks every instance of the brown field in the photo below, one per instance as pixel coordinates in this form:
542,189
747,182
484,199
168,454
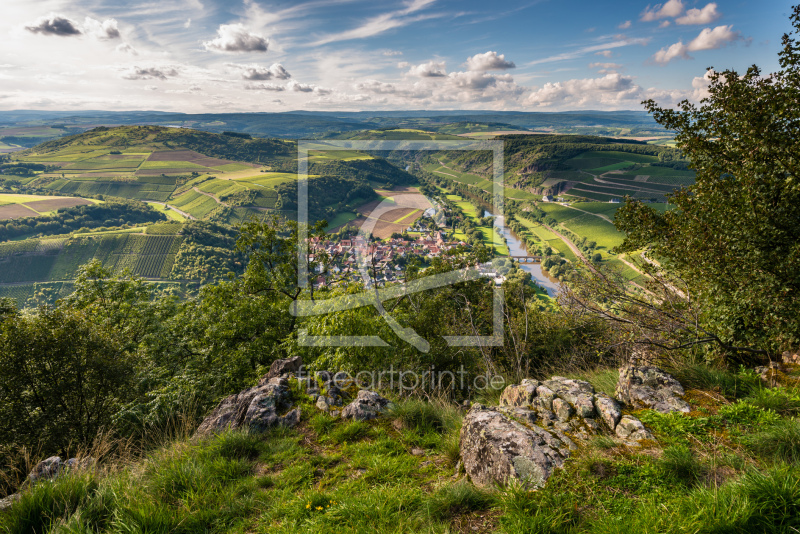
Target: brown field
384,228
16,211
57,203
165,170
102,174
191,156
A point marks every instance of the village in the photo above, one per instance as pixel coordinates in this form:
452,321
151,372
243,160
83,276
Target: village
386,260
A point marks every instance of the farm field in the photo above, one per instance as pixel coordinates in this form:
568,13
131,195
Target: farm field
17,206
42,260
595,229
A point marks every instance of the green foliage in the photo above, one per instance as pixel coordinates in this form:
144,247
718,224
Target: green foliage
779,400
113,212
731,384
458,498
779,441
734,236
67,370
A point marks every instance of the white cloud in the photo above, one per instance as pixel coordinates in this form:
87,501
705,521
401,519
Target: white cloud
700,85
103,31
708,39
264,87
600,49
712,39
671,9
54,24
611,90
150,73
390,53
236,38
260,72
665,24
381,23
431,69
150,88
307,88
667,54
707,15
188,23
489,61
606,68
624,25
125,48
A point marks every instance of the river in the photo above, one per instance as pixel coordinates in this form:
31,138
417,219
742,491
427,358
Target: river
516,248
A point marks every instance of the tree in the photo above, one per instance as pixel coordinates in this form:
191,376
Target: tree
734,236
62,378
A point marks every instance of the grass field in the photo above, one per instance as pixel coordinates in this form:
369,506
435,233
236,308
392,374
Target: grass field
170,213
595,229
194,203
340,220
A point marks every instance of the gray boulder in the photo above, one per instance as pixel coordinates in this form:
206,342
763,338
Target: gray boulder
282,367
258,408
647,386
608,409
497,449
631,428
519,395
367,405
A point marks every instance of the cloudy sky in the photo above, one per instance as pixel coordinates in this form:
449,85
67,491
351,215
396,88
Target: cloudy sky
264,55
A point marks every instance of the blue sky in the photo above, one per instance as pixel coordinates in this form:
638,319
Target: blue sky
254,55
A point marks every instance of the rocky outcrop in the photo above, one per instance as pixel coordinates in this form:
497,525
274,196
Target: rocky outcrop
647,386
561,404
367,405
536,428
48,469
631,428
284,367
258,408
497,449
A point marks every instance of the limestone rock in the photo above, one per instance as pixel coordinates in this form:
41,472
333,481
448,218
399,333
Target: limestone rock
282,367
9,501
631,428
257,408
519,395
608,409
46,469
647,386
368,405
562,409
497,449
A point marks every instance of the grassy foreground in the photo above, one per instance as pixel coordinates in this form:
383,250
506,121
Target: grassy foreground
729,466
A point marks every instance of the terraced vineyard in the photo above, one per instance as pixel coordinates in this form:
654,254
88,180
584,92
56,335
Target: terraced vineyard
39,260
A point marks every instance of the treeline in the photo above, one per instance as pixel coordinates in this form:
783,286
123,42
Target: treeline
326,195
208,253
526,154
111,213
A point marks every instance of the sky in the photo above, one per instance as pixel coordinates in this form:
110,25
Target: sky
215,56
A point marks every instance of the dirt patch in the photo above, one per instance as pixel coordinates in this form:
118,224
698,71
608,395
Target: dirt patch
57,203
192,157
16,211
477,522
